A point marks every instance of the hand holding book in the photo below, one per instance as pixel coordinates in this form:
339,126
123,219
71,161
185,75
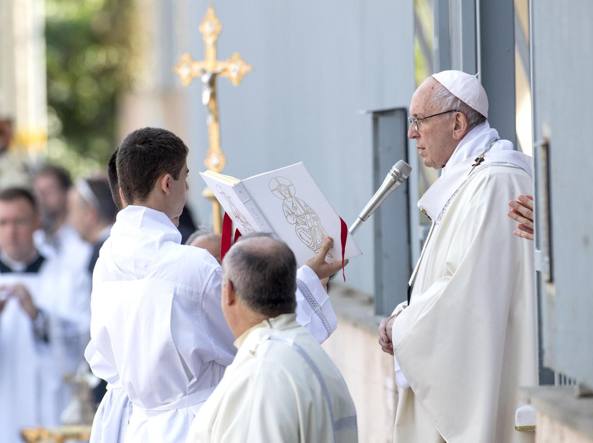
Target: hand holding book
318,262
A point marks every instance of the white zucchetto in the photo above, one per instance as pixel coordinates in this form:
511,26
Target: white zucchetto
465,87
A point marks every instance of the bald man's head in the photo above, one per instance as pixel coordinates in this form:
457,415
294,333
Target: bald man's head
263,273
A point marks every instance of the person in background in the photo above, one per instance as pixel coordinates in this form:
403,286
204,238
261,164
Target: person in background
92,211
57,237
43,322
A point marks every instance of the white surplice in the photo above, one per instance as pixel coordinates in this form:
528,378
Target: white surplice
281,387
467,341
33,365
158,336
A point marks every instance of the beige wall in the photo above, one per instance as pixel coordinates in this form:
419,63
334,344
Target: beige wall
549,430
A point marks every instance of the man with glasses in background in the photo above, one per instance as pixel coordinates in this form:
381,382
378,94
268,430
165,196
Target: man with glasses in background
465,340
43,322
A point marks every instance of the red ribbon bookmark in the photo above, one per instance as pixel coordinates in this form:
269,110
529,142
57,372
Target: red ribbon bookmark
227,239
227,235
343,239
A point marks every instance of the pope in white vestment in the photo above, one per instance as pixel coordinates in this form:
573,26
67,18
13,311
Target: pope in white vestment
281,387
467,340
158,336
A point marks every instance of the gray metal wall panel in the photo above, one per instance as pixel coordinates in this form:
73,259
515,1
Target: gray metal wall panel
391,221
316,65
563,93
497,60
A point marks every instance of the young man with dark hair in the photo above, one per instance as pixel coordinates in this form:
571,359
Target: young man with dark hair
281,386
43,324
186,222
158,335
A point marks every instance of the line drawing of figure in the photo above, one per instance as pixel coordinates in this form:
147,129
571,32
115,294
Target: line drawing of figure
236,214
297,212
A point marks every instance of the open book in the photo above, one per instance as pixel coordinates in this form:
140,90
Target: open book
285,202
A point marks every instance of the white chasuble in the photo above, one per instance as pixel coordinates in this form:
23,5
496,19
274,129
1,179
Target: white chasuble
158,336
467,341
281,387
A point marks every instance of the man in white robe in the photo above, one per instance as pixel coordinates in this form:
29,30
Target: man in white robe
43,325
466,341
281,386
158,336
57,238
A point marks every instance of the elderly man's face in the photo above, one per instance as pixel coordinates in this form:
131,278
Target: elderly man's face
434,137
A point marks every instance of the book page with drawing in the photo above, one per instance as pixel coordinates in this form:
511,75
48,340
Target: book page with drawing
286,202
231,195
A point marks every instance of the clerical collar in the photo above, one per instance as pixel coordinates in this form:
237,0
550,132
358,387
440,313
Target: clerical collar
8,265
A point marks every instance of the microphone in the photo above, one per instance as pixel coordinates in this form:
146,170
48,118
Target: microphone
395,177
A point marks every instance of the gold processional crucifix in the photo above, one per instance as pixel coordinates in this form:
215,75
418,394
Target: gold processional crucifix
208,70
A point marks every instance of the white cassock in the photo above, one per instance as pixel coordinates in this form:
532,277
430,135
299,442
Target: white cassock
467,341
281,387
35,356
158,336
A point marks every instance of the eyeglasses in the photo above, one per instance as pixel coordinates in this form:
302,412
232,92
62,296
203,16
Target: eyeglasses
415,122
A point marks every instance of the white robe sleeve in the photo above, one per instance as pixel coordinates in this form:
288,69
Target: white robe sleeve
314,308
400,378
221,337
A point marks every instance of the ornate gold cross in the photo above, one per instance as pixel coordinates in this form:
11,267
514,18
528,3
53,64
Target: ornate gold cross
208,70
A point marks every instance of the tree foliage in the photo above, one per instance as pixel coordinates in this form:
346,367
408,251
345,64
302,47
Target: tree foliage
88,49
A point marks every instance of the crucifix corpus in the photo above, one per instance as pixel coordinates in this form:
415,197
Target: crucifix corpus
208,70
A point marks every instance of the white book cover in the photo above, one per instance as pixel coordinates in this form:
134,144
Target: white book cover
286,202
